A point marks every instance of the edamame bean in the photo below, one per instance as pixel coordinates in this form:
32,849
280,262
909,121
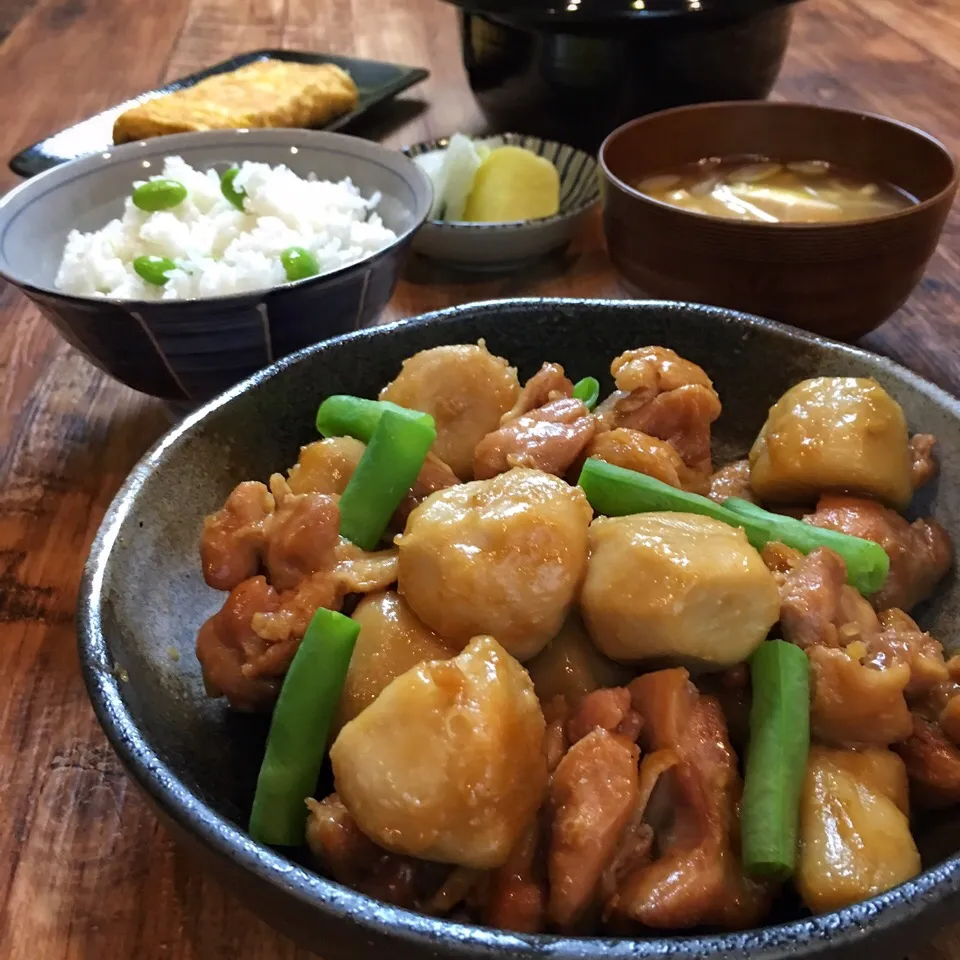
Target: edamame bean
236,195
154,269
159,195
299,263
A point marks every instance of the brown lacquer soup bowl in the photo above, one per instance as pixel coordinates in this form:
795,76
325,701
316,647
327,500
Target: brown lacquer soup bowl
143,599
840,279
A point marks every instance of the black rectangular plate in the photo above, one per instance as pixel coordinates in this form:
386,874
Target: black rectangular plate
375,82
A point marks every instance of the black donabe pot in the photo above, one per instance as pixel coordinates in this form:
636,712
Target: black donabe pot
142,594
573,71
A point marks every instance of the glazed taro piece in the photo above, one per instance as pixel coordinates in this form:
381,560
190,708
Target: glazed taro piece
579,633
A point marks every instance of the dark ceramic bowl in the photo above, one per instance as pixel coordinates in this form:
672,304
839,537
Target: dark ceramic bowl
837,279
142,595
573,71
187,351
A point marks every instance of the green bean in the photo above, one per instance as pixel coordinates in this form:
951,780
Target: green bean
776,759
867,562
154,269
615,492
159,195
236,195
386,472
587,390
346,416
299,263
299,729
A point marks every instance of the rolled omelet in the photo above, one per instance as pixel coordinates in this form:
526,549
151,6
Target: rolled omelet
676,588
266,93
833,434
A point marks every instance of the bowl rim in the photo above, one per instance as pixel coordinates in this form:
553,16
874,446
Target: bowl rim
467,226
876,916
614,13
944,194
167,145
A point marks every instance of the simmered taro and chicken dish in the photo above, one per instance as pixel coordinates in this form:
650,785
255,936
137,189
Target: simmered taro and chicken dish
572,675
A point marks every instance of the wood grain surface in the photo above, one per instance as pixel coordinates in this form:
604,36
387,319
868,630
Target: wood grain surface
86,873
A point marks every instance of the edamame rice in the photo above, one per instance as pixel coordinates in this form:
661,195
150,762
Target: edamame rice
184,216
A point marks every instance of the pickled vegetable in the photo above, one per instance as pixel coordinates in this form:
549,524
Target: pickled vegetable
513,184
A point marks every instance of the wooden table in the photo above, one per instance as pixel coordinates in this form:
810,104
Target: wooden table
86,873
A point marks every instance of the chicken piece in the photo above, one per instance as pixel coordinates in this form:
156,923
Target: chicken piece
654,370
547,384
517,895
343,852
502,556
465,388
392,641
948,718
855,839
592,795
733,480
461,885
902,641
854,704
781,560
920,552
570,666
609,709
341,849
833,434
556,713
447,763
284,627
810,600
637,451
231,653
667,397
549,438
300,555
434,475
325,466
933,765
819,608
732,691
302,538
359,571
923,464
676,587
696,879
233,538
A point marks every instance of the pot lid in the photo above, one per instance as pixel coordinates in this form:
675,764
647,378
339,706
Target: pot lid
597,11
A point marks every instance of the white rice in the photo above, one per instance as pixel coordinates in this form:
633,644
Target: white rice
218,249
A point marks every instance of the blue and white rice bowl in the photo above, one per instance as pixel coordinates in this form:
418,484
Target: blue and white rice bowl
188,350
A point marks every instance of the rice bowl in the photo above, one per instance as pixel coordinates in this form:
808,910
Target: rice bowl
217,249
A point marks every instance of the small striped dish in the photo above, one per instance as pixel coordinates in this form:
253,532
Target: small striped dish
503,246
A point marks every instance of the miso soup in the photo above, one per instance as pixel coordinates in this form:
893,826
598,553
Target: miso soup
758,188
